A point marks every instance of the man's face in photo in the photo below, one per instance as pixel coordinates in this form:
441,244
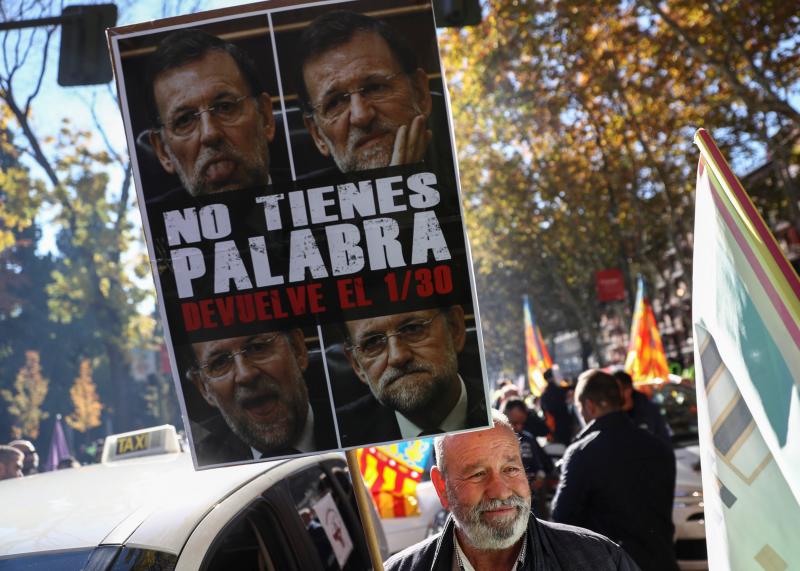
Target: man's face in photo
257,385
215,133
361,97
409,360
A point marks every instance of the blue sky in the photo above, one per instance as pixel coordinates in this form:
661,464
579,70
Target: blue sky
55,103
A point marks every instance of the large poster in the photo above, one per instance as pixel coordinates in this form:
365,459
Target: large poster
296,177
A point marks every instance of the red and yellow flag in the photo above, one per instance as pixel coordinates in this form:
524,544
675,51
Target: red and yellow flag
646,359
392,473
535,352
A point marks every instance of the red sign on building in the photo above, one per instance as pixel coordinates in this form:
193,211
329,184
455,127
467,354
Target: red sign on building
610,285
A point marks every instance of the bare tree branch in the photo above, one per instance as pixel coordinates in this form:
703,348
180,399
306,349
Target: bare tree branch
38,154
41,71
123,162
121,209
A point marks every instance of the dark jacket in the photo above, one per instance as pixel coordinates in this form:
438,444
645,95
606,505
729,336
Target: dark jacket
366,421
534,459
619,480
554,406
551,547
646,414
215,443
535,425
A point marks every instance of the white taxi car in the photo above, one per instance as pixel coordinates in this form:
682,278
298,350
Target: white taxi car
146,508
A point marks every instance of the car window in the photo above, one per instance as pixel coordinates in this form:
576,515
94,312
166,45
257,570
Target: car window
136,559
252,540
329,520
65,560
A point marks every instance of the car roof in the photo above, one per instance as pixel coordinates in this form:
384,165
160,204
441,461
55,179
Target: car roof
107,503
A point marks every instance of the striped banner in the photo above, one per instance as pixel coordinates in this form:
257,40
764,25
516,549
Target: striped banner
746,311
536,355
646,359
392,473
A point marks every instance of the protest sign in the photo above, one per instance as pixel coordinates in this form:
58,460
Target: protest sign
296,177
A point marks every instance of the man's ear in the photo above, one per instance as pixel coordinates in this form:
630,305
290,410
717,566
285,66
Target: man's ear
265,107
438,483
197,380
458,330
422,92
591,408
161,152
298,343
312,127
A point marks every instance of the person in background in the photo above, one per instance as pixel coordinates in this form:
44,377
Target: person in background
538,464
67,463
11,461
617,479
506,389
642,411
554,407
31,464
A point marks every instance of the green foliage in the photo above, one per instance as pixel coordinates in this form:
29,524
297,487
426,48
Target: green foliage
574,122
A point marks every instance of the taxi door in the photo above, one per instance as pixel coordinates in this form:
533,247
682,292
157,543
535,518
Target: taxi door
298,516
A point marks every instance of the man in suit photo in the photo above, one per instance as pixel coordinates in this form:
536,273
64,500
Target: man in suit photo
266,407
409,361
213,118
366,101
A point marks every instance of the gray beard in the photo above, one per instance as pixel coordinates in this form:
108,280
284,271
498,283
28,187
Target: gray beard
272,436
256,168
350,161
484,536
376,157
412,399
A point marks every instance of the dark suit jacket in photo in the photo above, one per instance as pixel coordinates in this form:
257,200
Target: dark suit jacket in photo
366,421
215,442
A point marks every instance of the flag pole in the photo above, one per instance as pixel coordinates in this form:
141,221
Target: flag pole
365,511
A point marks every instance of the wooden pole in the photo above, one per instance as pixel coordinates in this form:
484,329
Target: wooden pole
365,511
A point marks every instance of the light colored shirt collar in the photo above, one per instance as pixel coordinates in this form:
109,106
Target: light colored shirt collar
461,563
305,442
455,420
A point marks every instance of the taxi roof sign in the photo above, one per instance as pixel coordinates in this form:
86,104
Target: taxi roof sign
137,443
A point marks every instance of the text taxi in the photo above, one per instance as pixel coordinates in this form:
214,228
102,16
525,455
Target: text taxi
145,507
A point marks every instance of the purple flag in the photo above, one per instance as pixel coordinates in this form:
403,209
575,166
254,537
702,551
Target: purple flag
58,447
